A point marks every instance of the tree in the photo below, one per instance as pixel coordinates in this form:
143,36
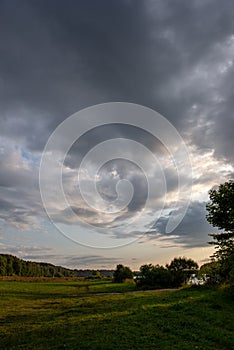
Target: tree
96,274
182,269
224,245
154,276
221,214
122,273
210,273
221,207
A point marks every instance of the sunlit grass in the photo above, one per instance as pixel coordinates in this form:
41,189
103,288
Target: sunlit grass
63,315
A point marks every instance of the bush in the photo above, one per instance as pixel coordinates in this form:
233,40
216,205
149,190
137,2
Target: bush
122,273
154,276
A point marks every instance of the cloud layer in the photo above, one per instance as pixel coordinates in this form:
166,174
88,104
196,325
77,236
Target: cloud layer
173,56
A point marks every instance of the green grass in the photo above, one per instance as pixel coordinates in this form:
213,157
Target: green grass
68,315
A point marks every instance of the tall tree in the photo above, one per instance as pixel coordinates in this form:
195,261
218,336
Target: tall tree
122,273
182,269
221,214
221,207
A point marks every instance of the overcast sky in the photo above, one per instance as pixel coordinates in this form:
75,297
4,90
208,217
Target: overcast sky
59,57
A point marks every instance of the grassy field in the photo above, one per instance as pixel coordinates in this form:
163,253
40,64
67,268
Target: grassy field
81,315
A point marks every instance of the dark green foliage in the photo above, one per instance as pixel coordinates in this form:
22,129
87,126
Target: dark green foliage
210,273
122,273
181,269
221,214
224,244
151,276
221,207
221,269
173,275
12,266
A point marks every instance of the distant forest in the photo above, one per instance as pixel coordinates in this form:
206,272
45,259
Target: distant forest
12,266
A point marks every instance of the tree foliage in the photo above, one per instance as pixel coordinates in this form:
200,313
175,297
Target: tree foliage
221,214
122,273
182,269
224,244
173,275
12,266
210,273
221,207
155,276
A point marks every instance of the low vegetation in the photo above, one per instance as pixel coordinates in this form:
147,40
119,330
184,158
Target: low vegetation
68,315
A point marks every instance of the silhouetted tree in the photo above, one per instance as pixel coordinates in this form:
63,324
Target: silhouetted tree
151,276
181,269
221,214
122,273
221,207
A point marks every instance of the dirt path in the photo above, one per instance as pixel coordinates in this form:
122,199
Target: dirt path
135,291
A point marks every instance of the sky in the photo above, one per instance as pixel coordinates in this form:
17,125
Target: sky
125,110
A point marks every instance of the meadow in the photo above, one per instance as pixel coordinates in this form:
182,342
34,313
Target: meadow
71,314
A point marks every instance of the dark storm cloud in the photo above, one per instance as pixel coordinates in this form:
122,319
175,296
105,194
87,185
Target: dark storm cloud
63,58
100,134
225,119
5,205
57,58
194,229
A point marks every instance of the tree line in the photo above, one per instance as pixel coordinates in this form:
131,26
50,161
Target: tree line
172,275
13,266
